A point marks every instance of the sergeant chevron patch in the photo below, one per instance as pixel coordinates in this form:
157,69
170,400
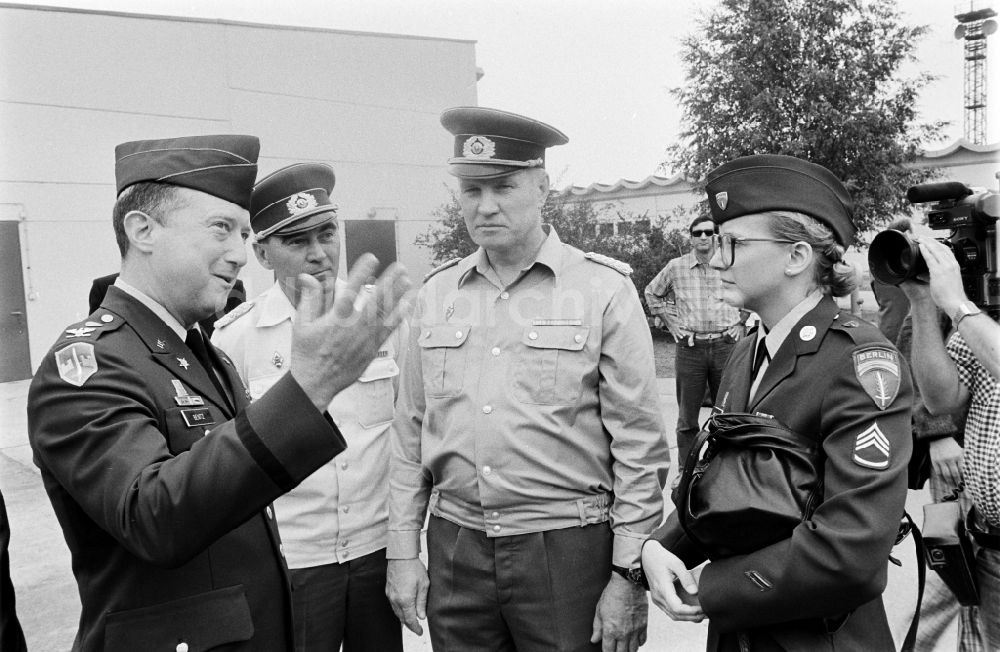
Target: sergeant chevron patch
871,448
877,368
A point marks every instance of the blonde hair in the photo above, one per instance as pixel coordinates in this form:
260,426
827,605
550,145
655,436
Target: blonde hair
834,275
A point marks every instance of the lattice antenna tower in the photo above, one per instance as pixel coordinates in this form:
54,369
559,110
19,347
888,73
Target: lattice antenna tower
974,25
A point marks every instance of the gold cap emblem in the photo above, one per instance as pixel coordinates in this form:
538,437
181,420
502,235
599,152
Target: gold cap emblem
479,147
300,203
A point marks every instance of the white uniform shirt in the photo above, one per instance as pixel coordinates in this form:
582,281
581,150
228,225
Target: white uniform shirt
338,513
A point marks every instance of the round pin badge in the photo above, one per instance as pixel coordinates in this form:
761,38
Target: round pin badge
107,319
807,333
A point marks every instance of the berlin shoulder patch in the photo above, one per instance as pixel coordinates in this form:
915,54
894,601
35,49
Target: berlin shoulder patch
76,363
878,369
872,449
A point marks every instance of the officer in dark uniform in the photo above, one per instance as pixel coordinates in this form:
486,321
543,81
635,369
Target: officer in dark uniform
784,224
159,470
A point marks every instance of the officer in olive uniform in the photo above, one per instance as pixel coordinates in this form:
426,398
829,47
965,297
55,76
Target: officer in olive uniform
825,374
159,470
528,423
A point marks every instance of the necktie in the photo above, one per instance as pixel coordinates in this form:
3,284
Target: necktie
196,342
758,360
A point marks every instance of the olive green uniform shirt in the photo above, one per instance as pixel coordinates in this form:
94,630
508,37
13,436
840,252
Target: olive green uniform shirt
530,407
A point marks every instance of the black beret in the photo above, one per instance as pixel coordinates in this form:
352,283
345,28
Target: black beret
293,199
774,182
224,166
491,143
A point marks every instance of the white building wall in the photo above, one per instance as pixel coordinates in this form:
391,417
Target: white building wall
73,84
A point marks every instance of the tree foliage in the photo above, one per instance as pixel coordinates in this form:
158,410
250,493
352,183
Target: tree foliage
818,80
646,250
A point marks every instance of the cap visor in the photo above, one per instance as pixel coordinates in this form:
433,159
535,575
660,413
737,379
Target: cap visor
479,171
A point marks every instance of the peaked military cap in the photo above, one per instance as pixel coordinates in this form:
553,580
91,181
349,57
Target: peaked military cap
774,182
293,199
224,166
491,143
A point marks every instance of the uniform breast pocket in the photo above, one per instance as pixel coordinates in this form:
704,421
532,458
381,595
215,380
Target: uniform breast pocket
550,365
443,355
375,393
186,425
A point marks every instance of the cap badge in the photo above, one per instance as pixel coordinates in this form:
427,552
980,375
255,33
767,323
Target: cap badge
479,147
722,199
301,202
277,360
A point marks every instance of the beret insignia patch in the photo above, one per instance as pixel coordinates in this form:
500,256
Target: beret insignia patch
877,369
722,199
479,147
300,202
76,363
871,448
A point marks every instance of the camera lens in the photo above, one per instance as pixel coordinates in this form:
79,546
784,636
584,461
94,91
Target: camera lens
894,258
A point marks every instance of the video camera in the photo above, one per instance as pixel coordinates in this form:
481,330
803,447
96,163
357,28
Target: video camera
971,217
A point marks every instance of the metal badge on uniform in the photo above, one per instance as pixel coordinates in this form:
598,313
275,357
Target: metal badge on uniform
557,322
449,311
160,344
722,199
871,448
76,363
182,398
877,369
197,417
807,333
277,360
83,331
183,363
479,147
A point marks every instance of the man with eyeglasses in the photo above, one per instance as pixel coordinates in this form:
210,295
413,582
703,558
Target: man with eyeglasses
704,326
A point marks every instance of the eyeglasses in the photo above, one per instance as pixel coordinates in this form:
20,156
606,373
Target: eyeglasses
726,244
707,233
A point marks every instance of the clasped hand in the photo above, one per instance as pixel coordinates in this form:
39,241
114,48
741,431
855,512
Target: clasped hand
672,587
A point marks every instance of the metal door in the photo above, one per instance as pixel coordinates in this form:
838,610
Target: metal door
15,360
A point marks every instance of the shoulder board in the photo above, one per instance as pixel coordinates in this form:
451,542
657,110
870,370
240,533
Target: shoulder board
859,330
441,268
234,314
92,327
622,268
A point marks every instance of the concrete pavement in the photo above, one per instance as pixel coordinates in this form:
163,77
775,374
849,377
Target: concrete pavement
47,601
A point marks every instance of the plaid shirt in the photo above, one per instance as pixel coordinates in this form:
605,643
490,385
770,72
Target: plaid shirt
697,292
981,468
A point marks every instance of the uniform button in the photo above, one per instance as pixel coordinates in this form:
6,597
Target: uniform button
495,515
343,465
496,528
505,295
578,338
267,510
487,409
343,544
532,335
107,319
426,334
345,508
458,335
487,470
495,351
182,647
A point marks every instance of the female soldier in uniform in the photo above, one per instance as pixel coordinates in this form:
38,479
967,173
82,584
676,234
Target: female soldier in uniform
784,224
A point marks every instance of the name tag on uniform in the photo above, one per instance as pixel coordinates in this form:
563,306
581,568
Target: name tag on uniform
197,417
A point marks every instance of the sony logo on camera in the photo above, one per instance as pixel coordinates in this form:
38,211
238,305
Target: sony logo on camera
971,217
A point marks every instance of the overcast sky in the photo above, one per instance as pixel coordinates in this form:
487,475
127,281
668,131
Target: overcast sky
597,70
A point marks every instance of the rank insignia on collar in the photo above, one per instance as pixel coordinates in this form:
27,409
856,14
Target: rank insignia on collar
183,363
449,311
722,199
877,369
871,448
76,363
83,331
277,360
479,147
160,344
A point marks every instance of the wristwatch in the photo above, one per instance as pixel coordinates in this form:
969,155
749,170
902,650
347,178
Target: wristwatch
634,575
965,309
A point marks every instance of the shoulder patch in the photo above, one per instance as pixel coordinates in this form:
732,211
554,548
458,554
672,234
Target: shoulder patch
76,362
234,314
878,371
622,268
441,268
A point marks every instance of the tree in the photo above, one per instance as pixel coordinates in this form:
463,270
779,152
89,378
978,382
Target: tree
818,80
646,250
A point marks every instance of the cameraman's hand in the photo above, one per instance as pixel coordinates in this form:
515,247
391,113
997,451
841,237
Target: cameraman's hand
945,274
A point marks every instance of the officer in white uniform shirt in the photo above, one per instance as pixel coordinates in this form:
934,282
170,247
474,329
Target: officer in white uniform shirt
333,525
